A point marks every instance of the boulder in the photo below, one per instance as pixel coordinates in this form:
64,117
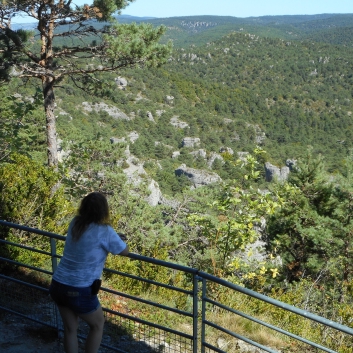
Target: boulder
213,157
169,100
198,177
273,172
178,123
201,152
150,116
226,150
121,82
175,154
190,141
133,136
115,140
155,193
290,163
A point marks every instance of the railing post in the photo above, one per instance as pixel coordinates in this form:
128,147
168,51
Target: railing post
54,260
203,315
195,307
54,265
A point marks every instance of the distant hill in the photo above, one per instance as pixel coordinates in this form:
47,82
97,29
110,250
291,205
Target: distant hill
190,30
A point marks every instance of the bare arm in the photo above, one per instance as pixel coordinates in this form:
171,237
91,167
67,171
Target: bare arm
125,251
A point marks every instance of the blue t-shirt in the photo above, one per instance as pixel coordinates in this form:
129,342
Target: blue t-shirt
83,260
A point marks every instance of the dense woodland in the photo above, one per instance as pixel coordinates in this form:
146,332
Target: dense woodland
276,87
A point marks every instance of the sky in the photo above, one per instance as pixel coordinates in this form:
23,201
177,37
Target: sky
236,8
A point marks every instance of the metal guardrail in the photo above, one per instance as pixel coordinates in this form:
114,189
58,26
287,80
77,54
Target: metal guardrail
197,324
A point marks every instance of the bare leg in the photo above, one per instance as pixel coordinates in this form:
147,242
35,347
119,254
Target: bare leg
95,322
70,320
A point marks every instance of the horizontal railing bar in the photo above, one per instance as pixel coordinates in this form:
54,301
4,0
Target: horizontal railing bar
263,323
148,323
25,283
27,266
207,345
247,340
159,284
144,301
279,304
25,247
32,230
163,263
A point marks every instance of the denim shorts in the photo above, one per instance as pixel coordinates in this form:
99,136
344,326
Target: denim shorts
79,300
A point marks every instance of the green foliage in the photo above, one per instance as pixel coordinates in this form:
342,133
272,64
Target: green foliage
19,131
137,43
237,211
312,233
31,195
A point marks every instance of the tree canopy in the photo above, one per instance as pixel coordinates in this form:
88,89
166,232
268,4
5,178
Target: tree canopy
65,43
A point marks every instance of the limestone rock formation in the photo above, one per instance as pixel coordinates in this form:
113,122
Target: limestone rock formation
190,141
175,154
133,136
115,140
113,111
201,152
178,123
198,177
150,117
226,150
169,100
273,172
213,156
121,82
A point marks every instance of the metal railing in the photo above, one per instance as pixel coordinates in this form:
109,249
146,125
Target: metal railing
189,311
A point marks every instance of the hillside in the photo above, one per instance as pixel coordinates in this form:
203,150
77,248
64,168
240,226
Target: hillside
296,93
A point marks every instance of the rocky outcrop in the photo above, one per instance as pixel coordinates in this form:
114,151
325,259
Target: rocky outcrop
136,175
133,136
290,163
178,123
175,154
155,193
199,153
114,112
150,117
273,172
213,156
198,177
62,155
226,150
121,82
169,100
242,155
115,140
190,141
260,136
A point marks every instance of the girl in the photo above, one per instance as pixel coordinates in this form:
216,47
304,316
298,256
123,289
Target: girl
76,281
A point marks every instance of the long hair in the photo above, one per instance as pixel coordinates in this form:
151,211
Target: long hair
93,209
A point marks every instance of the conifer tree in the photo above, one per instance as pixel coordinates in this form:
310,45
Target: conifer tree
75,42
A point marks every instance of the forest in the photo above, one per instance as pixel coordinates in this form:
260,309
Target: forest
247,92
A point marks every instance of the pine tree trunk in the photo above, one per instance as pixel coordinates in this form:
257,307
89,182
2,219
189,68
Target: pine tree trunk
49,104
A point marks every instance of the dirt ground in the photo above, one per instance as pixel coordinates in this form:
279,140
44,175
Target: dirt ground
21,335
